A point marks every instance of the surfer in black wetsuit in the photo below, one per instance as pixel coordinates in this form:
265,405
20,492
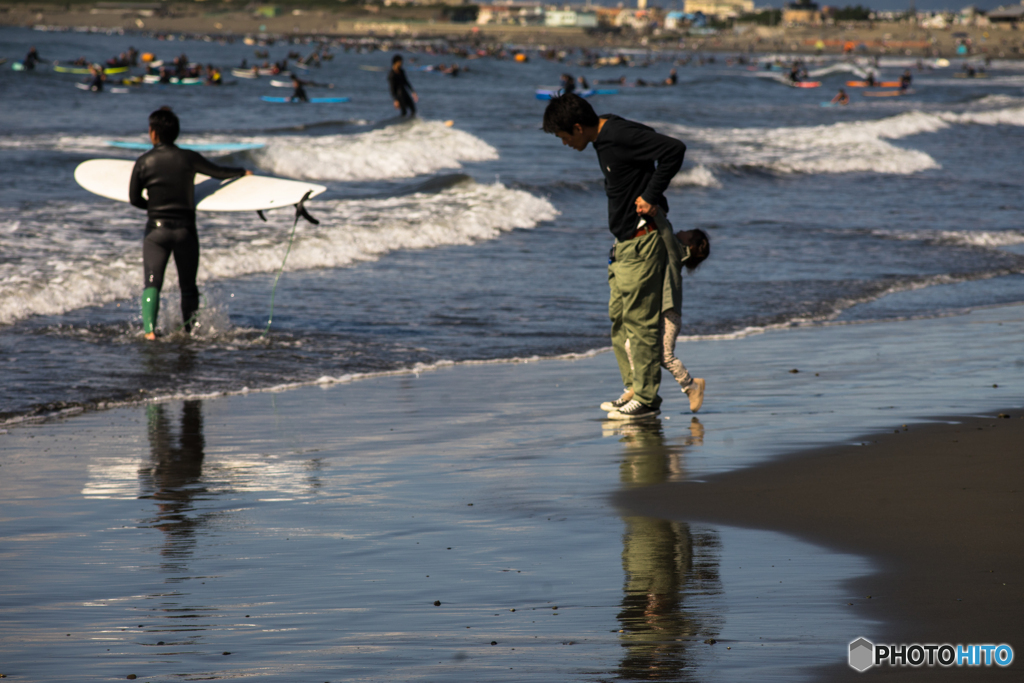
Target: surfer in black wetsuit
98,77
298,90
401,90
905,80
31,59
167,173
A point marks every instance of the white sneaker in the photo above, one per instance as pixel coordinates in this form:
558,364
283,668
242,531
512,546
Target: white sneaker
634,410
609,406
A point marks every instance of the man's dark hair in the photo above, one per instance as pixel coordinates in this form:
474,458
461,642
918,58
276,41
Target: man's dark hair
164,123
397,59
565,111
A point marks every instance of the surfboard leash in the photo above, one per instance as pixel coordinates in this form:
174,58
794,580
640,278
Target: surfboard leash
300,212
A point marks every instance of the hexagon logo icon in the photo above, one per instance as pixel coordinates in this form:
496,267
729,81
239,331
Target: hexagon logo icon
862,654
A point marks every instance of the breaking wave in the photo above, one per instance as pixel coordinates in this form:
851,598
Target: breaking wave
968,238
403,150
62,257
400,151
845,147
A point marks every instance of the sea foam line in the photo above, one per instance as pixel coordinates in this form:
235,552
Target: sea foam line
844,147
57,265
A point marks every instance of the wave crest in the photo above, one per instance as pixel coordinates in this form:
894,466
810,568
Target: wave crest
401,151
64,257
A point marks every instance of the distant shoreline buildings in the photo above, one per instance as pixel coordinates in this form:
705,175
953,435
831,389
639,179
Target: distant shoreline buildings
701,13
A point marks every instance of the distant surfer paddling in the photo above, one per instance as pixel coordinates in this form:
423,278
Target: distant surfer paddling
402,92
298,90
644,271
167,174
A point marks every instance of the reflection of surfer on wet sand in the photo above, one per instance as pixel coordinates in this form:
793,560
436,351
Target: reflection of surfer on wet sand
167,174
173,472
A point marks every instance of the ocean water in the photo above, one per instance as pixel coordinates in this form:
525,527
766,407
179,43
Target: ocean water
485,239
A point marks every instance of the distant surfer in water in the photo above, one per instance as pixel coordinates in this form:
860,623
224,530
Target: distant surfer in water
298,90
31,59
905,80
402,92
568,83
167,173
97,79
841,98
644,276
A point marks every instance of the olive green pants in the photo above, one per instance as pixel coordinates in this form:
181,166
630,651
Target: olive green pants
636,280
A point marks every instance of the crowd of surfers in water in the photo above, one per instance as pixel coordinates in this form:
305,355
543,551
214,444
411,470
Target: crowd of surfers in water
182,70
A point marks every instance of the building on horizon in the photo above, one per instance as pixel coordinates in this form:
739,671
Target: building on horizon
720,9
802,12
570,18
1007,16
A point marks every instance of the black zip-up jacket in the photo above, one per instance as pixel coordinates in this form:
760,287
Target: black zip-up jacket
168,174
399,84
627,152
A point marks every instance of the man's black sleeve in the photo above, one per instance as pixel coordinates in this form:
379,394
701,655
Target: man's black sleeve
667,152
135,188
201,165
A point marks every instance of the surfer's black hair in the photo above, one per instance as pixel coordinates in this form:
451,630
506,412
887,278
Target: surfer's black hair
164,123
396,59
565,111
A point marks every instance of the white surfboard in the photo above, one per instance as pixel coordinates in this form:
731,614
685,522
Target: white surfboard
110,178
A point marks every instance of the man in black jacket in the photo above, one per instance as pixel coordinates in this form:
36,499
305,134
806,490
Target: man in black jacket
401,90
638,165
167,174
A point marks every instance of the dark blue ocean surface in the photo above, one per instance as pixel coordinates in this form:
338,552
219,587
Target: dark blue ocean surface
485,239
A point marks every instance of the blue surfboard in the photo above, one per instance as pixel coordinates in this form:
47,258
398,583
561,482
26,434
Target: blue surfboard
313,100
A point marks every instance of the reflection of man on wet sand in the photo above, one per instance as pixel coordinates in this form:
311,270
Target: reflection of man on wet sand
658,560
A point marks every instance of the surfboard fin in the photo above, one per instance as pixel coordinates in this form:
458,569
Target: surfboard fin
300,209
259,212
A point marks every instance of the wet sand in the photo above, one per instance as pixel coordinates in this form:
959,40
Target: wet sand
309,532
938,506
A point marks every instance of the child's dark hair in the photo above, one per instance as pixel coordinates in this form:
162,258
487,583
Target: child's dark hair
699,245
397,59
164,123
565,111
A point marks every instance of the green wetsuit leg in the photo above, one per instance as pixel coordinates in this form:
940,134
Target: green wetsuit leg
150,308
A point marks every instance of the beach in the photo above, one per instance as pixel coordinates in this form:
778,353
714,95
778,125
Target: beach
311,544
379,455
937,506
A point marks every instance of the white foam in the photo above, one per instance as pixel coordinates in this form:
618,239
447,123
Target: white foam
859,146
1011,116
67,256
970,238
699,176
844,147
405,150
